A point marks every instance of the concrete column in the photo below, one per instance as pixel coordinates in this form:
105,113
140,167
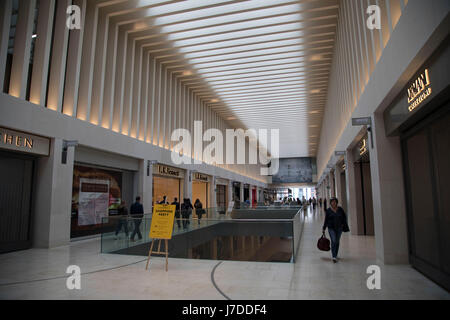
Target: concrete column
188,185
250,195
212,193
388,196
22,49
333,183
339,187
352,205
58,57
5,26
241,192
53,198
230,191
145,184
337,177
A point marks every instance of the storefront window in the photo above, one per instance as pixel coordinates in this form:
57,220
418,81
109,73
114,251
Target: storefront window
96,194
169,187
200,191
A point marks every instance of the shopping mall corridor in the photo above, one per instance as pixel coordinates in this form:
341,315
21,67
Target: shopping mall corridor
40,274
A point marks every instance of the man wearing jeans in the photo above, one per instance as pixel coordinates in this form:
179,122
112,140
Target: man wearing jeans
137,212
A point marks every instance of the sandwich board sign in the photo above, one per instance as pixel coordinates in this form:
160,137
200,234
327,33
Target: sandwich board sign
161,228
162,221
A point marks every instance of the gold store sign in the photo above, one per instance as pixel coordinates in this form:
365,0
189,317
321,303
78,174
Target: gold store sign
24,142
419,90
168,171
200,177
363,147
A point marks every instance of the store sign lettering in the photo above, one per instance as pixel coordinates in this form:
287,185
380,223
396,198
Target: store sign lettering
18,141
419,90
168,171
199,176
363,147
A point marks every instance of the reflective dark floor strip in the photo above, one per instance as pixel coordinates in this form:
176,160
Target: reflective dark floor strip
67,275
214,282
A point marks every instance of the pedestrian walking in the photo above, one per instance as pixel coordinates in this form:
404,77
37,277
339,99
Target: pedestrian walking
336,222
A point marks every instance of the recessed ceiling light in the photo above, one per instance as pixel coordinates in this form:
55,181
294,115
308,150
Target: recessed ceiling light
34,36
187,73
314,126
314,112
316,57
231,118
315,91
214,100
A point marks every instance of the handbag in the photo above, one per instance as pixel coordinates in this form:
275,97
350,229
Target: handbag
323,244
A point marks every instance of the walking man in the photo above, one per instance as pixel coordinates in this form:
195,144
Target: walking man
137,212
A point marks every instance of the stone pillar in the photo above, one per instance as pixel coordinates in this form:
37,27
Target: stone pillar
388,196
338,170
333,183
188,185
250,195
230,192
53,198
145,184
212,193
352,205
241,192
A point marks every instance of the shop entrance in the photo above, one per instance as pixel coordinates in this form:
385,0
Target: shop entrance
200,191
16,172
221,196
426,159
96,195
363,184
165,186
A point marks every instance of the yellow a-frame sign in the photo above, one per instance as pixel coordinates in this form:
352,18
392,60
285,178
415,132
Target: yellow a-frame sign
161,228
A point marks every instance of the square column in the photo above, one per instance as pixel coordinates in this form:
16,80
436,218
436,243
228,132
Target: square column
352,214
212,193
388,196
145,185
53,198
241,192
187,185
250,195
230,192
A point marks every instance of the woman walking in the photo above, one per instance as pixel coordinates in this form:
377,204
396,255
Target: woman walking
336,222
199,209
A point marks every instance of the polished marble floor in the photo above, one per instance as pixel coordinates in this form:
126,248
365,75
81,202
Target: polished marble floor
41,274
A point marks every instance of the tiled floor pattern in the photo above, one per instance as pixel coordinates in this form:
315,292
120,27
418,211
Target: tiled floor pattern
314,276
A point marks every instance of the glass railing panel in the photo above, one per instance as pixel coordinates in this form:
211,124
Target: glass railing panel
221,239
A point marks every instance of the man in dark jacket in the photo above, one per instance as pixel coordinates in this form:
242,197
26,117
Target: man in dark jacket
186,211
336,222
122,218
137,212
177,212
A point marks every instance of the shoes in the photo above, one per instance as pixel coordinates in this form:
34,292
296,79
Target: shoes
132,240
334,260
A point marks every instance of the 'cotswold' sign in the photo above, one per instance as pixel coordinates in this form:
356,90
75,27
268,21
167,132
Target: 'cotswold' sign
23,142
419,90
